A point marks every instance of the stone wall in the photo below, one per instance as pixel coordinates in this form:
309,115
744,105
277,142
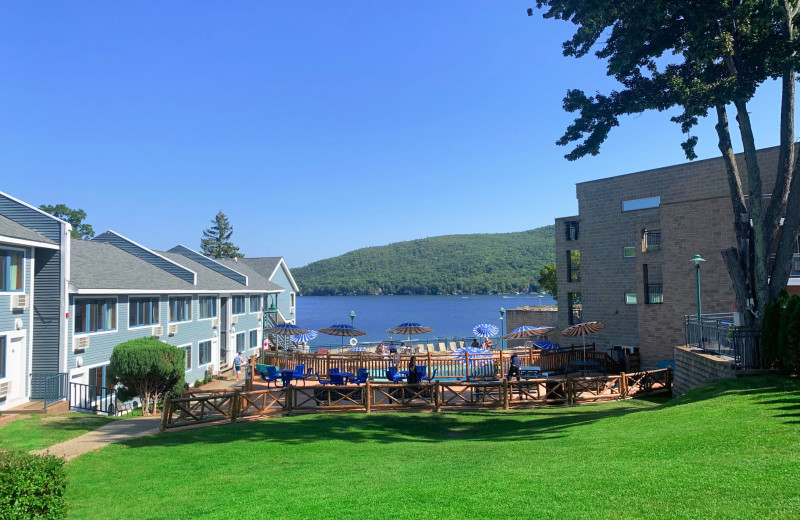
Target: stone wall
695,368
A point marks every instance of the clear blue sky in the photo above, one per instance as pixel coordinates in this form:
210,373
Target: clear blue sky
317,127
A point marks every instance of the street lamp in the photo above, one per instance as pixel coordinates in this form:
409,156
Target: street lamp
502,328
540,300
352,317
697,259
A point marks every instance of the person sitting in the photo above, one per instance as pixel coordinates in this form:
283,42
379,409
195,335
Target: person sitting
475,343
413,375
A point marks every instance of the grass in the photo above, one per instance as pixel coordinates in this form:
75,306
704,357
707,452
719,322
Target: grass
725,451
35,432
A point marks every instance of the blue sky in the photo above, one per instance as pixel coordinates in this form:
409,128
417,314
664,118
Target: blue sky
317,127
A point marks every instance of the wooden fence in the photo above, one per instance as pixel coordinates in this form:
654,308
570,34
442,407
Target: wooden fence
196,408
445,365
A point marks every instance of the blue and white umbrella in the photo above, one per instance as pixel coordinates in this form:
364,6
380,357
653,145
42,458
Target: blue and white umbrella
485,330
462,353
286,329
304,338
546,345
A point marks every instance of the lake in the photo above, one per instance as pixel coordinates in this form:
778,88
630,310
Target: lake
449,316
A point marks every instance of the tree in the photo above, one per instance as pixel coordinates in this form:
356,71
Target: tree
147,368
548,280
789,335
216,241
701,57
74,217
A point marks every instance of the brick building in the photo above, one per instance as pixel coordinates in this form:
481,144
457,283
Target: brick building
627,255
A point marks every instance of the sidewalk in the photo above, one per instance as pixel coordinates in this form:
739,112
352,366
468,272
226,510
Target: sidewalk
116,431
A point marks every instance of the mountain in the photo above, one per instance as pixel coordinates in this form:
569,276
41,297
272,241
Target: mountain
450,264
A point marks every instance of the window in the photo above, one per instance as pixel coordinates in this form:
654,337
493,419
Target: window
11,270
574,266
633,205
95,314
237,304
188,350
3,357
254,338
240,342
574,308
98,383
653,285
180,308
652,240
629,252
573,229
208,307
630,298
255,303
142,311
204,353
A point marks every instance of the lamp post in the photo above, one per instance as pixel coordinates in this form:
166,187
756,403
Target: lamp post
502,328
697,259
540,300
352,317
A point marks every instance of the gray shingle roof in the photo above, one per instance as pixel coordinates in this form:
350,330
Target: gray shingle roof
208,279
256,278
265,266
9,228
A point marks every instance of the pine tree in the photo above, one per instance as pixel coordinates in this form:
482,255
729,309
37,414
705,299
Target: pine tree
216,241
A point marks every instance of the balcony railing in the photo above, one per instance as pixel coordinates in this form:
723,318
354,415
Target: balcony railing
655,293
716,334
652,240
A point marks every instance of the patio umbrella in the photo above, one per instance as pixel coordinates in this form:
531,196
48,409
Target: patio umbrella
546,345
286,329
485,330
526,331
582,329
304,338
477,356
343,330
410,328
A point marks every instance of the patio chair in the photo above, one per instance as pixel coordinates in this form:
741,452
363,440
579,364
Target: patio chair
273,374
300,373
361,377
429,379
422,370
321,381
393,375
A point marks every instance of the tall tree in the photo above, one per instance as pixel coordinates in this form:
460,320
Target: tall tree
216,241
73,216
702,57
548,281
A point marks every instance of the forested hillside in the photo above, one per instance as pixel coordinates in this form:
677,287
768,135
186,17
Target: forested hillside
450,264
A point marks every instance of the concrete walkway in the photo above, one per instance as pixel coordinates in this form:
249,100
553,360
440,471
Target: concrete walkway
116,431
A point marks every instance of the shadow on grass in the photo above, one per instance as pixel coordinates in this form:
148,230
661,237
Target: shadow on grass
483,426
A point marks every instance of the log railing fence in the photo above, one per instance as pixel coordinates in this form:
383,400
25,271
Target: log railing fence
197,407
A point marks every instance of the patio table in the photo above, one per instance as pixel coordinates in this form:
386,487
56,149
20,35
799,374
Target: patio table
585,366
286,377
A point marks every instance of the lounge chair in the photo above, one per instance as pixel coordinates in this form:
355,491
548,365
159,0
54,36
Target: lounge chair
442,346
361,377
393,375
453,345
272,374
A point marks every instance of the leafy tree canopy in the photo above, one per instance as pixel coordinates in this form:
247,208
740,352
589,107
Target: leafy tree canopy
548,280
216,241
701,57
74,216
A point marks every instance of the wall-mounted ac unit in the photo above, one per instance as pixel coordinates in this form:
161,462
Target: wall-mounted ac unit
19,301
81,343
215,323
172,329
291,309
158,331
5,388
234,320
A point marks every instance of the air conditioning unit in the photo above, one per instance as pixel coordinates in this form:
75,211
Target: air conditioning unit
291,309
158,331
19,301
5,388
172,329
215,323
81,343
234,320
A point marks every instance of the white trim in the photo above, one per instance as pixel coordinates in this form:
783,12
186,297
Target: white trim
287,272
246,279
153,252
169,291
35,209
66,266
29,344
4,239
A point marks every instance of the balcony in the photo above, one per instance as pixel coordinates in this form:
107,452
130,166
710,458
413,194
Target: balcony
655,293
652,241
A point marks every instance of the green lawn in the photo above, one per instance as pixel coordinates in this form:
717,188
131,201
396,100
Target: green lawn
726,451
35,432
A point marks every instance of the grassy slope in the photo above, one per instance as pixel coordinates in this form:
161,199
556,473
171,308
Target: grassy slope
34,432
726,451
476,263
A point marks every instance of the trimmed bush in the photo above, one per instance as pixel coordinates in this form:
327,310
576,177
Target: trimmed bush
147,368
770,330
32,486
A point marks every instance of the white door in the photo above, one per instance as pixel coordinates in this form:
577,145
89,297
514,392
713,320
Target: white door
15,367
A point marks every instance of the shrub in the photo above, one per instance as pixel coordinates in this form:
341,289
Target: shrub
770,330
789,334
32,486
147,368
198,383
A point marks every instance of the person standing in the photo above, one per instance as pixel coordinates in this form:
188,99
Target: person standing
513,367
238,361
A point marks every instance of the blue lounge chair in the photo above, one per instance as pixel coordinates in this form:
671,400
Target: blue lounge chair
273,374
393,375
362,376
422,371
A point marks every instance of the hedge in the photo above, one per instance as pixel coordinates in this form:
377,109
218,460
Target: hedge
32,486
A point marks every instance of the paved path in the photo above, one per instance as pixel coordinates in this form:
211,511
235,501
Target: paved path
116,431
